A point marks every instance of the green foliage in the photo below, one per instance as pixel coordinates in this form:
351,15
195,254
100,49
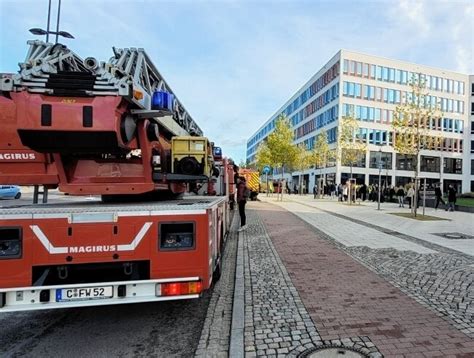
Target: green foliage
350,147
321,154
303,158
411,122
278,150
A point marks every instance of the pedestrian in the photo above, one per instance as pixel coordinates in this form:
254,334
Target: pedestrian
295,189
401,197
439,197
363,192
315,190
391,193
345,191
333,191
451,198
242,195
411,196
288,188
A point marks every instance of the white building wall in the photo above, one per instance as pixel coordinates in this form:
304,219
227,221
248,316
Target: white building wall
466,136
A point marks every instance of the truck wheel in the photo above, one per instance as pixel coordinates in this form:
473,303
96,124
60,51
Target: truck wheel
216,275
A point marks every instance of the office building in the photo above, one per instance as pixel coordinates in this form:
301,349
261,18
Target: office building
370,88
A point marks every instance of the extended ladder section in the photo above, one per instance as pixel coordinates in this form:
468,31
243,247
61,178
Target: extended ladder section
53,69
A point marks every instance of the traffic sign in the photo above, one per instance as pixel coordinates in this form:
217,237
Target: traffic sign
266,169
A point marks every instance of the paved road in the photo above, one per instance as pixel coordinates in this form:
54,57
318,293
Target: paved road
164,329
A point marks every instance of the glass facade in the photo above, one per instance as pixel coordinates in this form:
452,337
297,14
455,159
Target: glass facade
371,94
399,76
394,96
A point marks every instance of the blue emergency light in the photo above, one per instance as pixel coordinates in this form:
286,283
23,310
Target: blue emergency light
162,101
217,153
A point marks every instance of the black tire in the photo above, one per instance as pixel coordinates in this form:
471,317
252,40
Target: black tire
18,195
216,275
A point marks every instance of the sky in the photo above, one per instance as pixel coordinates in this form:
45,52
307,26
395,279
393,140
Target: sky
233,64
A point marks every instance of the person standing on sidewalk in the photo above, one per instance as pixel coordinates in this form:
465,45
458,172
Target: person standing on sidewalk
411,195
439,196
451,198
401,197
242,195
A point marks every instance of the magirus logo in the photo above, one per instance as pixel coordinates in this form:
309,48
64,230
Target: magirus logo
17,156
84,249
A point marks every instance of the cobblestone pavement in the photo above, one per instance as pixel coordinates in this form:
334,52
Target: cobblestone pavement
442,280
345,299
215,335
276,320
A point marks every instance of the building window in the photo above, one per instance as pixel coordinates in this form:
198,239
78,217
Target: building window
385,159
472,107
472,127
452,166
358,163
366,70
472,168
372,71
379,72
472,146
405,161
430,164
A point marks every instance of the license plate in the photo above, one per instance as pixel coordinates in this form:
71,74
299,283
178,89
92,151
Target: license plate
84,293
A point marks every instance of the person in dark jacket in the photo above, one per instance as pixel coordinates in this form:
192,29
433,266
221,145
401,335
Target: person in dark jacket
363,192
439,197
451,198
401,197
242,195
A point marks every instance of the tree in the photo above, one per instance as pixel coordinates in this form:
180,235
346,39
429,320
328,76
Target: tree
350,147
411,126
278,150
303,161
321,154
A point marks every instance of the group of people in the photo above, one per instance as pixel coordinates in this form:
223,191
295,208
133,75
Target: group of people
362,192
402,194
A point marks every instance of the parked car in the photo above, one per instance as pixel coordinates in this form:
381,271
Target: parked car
10,192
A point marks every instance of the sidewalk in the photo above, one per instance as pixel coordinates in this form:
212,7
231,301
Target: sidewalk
323,279
460,222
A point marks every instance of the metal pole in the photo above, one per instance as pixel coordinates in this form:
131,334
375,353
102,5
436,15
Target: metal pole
57,23
424,195
268,189
380,178
49,16
380,183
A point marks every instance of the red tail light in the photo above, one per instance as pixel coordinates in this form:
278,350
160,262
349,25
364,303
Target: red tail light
181,288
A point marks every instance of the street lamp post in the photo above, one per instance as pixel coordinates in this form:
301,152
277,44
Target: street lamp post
47,32
380,178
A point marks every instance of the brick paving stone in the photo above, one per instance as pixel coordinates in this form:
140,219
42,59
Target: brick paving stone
275,315
346,298
215,334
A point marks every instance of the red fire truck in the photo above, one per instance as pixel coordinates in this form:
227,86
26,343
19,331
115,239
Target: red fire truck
113,129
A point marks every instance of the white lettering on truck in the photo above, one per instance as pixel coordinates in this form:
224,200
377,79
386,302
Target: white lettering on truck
17,156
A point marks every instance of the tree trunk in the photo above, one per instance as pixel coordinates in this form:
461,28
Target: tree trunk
281,184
